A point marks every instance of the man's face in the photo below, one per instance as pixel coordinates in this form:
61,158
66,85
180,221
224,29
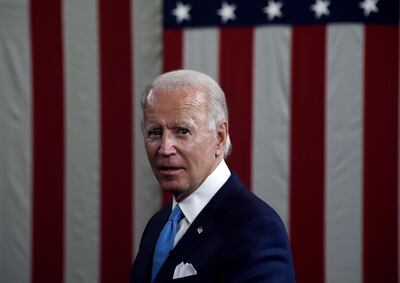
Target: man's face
180,147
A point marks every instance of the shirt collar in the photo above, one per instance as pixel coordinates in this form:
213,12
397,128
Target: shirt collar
194,204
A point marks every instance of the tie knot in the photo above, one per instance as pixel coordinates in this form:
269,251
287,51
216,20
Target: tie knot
176,214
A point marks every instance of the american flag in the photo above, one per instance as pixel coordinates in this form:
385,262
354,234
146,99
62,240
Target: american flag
313,92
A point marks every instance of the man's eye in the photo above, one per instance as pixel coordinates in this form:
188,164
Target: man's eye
154,133
183,131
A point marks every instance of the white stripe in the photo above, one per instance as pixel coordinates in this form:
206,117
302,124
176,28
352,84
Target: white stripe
82,142
147,25
343,221
271,117
200,51
15,143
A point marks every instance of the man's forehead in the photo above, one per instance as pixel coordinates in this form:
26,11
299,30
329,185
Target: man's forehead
179,97
177,110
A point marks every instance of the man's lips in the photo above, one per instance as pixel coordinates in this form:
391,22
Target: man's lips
169,169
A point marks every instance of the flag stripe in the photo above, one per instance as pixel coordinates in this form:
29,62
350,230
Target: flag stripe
343,197
201,51
116,140
381,154
48,142
236,79
307,152
172,53
15,144
82,142
270,154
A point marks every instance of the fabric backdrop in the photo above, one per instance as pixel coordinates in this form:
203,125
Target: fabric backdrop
313,91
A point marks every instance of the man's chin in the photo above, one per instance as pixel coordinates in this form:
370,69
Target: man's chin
171,187
179,192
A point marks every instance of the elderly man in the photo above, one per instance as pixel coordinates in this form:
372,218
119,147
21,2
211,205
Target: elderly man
215,230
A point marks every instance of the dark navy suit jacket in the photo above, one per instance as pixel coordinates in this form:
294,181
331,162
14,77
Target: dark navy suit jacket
242,240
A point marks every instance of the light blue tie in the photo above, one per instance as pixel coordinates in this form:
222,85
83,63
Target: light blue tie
166,240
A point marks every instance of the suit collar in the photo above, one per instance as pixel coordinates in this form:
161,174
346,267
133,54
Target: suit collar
207,218
195,203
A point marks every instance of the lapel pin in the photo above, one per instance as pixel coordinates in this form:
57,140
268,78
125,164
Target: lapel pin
200,230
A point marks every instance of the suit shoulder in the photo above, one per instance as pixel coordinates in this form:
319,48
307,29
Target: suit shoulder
259,236
243,205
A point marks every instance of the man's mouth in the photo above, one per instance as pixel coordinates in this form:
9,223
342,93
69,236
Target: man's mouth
169,169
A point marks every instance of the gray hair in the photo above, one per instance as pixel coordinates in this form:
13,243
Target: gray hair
196,82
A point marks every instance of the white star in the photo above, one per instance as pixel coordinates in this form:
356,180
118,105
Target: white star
320,8
227,12
181,12
369,6
273,9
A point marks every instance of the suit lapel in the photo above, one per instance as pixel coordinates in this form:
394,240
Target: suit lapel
201,227
207,219
191,240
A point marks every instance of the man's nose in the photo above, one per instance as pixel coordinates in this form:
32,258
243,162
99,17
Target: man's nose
167,146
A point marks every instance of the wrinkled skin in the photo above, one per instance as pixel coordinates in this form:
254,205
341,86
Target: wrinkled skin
181,148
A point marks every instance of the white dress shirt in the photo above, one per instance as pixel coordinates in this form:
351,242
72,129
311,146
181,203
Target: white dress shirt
194,204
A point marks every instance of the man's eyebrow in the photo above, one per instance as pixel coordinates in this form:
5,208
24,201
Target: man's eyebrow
147,126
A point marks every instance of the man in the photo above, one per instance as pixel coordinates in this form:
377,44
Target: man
215,230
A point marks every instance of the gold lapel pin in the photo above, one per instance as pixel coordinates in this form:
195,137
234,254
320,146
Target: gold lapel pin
200,230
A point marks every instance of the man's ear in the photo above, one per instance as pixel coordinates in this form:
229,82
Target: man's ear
221,135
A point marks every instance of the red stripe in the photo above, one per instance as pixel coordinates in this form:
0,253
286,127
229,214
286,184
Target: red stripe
307,152
172,53
116,140
236,78
380,258
48,141
172,60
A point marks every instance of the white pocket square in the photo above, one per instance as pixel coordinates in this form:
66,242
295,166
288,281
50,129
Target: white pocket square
184,270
